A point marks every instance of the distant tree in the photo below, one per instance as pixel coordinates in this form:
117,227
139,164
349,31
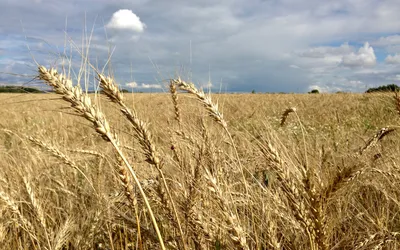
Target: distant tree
384,88
124,91
314,91
18,89
253,91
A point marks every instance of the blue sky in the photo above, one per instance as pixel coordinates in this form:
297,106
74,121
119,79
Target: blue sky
241,45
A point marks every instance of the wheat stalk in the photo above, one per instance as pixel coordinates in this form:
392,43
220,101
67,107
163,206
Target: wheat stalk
206,100
89,152
142,133
376,138
37,207
304,199
26,225
84,107
144,137
57,153
377,240
213,111
235,230
396,98
3,233
63,233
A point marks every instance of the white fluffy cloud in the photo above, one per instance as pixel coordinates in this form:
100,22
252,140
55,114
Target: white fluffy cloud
393,59
332,68
150,86
142,85
344,55
126,20
326,59
340,84
365,57
131,84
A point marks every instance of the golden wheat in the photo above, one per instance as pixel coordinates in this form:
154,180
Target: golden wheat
312,184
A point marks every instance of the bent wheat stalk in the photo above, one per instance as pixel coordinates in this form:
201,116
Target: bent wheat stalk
376,138
84,107
211,107
144,137
213,112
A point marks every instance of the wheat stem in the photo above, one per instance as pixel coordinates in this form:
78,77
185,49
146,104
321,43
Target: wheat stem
83,105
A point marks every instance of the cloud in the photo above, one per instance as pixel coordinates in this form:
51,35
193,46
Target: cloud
324,51
386,41
324,59
150,86
365,57
337,68
135,85
389,44
393,59
244,44
131,84
340,84
126,20
393,78
355,82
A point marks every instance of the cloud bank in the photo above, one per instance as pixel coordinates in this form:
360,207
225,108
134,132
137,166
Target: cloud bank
268,46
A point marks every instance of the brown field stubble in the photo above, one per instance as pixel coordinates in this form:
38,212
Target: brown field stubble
326,177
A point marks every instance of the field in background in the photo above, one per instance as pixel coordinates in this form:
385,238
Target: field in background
309,184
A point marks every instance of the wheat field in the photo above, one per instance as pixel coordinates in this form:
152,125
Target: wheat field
189,170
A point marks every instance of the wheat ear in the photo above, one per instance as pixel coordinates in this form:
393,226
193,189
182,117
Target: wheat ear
206,100
57,153
309,215
143,135
83,106
376,138
213,111
174,96
236,232
36,205
26,225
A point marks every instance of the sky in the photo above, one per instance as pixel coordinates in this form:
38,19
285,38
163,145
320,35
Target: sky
226,46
